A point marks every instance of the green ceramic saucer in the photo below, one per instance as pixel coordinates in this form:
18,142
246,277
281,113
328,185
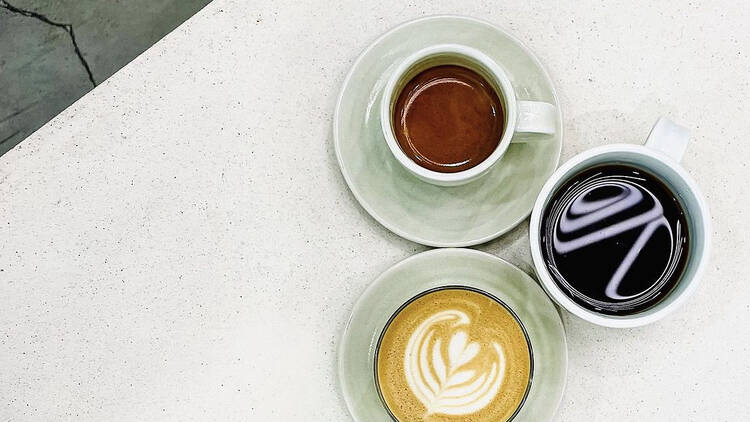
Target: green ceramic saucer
432,215
445,267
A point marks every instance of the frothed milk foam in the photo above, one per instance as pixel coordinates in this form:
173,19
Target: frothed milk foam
453,354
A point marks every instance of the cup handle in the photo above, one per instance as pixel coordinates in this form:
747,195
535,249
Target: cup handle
669,138
535,117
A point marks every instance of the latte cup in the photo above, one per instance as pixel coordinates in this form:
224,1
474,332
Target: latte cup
660,156
488,349
520,115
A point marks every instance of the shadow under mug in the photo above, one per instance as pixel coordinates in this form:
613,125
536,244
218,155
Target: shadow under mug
660,156
520,116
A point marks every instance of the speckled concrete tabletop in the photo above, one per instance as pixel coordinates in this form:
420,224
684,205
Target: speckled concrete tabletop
180,244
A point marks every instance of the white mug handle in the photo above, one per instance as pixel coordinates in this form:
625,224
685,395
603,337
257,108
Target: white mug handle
535,117
669,138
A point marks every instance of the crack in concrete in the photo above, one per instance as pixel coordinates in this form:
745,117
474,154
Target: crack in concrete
66,26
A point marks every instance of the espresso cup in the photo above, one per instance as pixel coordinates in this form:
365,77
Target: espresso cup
660,157
520,115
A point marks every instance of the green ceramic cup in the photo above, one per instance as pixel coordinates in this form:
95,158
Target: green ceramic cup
437,269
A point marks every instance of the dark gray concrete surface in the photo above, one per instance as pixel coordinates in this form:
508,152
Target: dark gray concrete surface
41,73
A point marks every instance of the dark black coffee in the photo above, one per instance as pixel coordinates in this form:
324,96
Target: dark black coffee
615,239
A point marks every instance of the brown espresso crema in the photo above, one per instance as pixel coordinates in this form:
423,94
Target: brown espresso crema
453,354
448,119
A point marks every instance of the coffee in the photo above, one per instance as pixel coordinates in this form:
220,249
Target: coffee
448,119
453,354
615,239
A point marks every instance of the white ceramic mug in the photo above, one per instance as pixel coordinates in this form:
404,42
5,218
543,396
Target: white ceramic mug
660,156
520,116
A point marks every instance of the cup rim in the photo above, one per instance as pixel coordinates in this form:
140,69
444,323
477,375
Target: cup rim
501,80
660,310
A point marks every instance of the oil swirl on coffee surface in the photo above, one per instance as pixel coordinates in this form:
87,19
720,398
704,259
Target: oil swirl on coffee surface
461,384
615,239
453,354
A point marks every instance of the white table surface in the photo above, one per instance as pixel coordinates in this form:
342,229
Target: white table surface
180,245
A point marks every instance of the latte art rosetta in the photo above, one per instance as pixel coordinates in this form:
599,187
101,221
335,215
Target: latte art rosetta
453,354
452,387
